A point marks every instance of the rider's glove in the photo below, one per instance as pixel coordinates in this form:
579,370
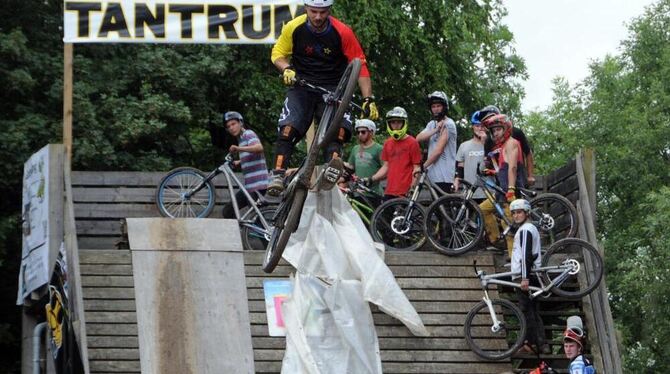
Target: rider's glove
511,194
370,108
366,181
288,76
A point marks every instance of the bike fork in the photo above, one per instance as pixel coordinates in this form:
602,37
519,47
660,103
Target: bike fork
496,323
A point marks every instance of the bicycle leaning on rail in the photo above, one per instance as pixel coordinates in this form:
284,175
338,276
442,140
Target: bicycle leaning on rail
454,224
187,192
399,222
287,218
495,328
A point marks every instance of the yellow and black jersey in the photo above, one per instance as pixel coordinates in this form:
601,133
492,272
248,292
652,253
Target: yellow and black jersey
320,58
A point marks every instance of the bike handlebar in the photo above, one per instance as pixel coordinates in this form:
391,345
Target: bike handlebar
302,82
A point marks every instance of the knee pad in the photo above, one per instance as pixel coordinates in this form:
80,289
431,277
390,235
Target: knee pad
286,140
343,136
288,133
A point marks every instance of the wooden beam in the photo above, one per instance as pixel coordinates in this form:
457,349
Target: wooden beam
67,99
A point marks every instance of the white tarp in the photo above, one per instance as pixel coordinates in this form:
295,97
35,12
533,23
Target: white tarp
339,270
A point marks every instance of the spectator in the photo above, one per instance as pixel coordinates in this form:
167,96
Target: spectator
470,156
573,345
365,158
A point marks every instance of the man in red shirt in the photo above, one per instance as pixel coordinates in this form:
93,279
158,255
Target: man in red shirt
401,157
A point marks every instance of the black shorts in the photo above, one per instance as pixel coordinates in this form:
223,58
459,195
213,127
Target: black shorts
303,104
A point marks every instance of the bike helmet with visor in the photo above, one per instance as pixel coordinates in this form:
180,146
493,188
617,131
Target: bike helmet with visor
441,98
397,113
520,204
499,120
233,115
474,120
570,334
319,3
366,123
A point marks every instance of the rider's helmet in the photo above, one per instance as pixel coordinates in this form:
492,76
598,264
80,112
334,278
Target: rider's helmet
439,97
499,120
474,120
233,115
319,3
520,204
487,111
366,123
571,334
397,113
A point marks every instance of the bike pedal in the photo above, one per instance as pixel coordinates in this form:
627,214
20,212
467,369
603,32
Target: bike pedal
331,173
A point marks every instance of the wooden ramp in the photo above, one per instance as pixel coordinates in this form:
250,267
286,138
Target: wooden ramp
442,289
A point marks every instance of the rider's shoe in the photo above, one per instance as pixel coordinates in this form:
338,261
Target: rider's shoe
331,173
276,184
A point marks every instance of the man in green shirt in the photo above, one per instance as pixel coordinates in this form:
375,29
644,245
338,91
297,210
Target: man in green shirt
365,157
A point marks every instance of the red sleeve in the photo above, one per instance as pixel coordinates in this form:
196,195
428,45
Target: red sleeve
416,152
350,45
385,155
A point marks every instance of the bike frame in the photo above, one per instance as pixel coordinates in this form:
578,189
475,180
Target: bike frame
243,220
363,209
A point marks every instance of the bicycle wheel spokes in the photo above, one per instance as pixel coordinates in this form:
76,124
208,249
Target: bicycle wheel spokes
254,236
453,225
581,261
398,226
172,199
554,216
490,341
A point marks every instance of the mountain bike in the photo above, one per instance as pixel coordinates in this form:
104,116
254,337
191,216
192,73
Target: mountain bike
398,223
187,192
362,199
454,224
495,328
287,217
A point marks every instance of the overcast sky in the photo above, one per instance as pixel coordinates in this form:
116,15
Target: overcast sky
561,38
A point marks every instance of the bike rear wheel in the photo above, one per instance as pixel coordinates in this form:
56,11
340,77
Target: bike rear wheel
587,264
330,123
252,239
390,227
170,194
496,344
281,234
453,225
554,216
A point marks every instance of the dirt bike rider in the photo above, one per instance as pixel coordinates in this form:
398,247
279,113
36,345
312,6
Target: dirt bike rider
316,47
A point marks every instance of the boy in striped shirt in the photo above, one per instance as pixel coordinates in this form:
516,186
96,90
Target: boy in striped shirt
252,161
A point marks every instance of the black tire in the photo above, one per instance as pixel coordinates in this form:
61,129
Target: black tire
252,240
330,123
387,220
169,194
282,233
582,254
492,345
454,225
554,216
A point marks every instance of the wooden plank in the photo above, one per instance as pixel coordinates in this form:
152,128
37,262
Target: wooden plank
407,259
115,354
113,342
107,281
108,293
407,356
104,256
116,329
116,211
96,227
409,283
110,366
412,295
398,271
566,186
419,367
130,194
381,319
149,179
560,174
98,242
109,305
111,317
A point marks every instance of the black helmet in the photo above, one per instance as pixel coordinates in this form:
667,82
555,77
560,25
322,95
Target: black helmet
487,111
232,115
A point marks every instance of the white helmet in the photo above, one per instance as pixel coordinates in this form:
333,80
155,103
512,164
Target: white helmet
319,3
520,204
368,124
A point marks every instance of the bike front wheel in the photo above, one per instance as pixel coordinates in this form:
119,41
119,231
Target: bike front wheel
398,225
493,342
253,237
176,196
554,216
282,230
453,225
584,262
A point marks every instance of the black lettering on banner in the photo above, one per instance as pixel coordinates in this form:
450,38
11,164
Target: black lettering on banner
83,9
283,15
221,16
186,12
248,22
144,16
114,21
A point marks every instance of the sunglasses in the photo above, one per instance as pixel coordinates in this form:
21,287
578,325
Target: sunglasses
362,132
